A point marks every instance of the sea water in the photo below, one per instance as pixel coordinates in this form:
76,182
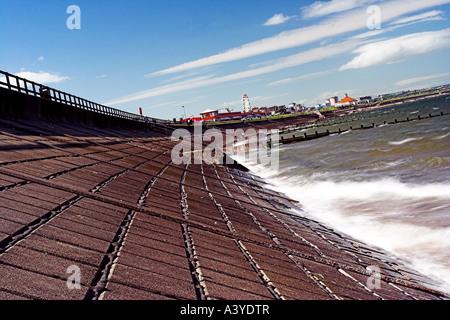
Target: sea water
388,186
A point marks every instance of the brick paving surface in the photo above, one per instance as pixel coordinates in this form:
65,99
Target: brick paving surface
111,204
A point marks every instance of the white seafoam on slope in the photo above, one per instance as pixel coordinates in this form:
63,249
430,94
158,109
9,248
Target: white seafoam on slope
388,186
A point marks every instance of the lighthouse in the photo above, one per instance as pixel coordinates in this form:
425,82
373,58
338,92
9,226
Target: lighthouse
245,103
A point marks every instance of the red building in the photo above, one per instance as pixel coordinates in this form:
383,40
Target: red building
215,115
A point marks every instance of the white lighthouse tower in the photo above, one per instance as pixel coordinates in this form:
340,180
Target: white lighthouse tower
245,103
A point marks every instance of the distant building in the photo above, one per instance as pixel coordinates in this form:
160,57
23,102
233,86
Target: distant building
293,108
231,116
333,100
220,115
263,110
215,115
245,103
347,101
290,107
365,100
328,103
272,110
281,109
299,108
209,115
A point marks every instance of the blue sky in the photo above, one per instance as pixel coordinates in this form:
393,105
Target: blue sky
205,54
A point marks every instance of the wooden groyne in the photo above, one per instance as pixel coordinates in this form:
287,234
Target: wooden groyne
290,135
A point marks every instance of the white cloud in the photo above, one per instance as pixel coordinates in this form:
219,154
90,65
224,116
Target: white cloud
323,96
229,104
284,40
237,104
430,15
41,77
373,33
350,21
421,80
277,18
280,64
403,22
190,74
166,89
321,8
302,77
41,58
399,49
174,103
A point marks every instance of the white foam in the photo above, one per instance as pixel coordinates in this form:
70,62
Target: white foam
396,143
362,209
442,137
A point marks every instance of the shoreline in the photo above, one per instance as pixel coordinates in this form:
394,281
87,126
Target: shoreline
295,120
278,189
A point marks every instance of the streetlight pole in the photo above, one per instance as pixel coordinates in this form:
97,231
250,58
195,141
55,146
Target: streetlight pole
184,112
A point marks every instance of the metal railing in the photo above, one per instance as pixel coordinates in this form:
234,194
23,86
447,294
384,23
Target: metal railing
13,82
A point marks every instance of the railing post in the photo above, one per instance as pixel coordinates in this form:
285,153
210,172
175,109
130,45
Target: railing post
7,81
25,82
18,84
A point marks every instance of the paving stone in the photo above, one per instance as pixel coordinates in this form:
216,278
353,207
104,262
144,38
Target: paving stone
178,238
155,283
37,286
116,291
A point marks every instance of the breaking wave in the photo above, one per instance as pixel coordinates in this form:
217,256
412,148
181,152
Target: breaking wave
386,213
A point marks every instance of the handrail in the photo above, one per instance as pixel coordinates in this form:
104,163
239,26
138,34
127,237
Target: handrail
39,90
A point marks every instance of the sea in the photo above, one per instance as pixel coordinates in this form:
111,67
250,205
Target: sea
388,186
